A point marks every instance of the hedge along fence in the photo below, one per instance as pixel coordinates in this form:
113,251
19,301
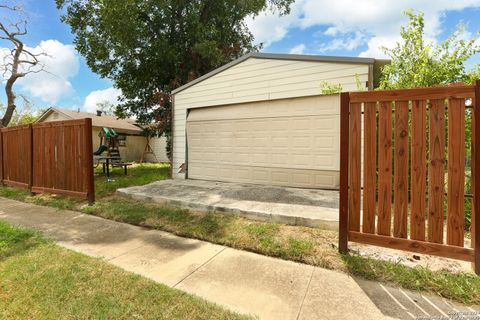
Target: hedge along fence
402,205
51,157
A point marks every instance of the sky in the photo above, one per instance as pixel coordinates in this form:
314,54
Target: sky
319,27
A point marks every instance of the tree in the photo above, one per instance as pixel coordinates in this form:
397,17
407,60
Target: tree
18,61
150,47
23,115
418,63
106,107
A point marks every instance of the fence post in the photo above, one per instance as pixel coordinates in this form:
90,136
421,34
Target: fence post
89,161
475,219
344,158
1,158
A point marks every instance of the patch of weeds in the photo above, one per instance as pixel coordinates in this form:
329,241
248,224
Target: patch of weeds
172,215
463,287
259,230
14,240
13,193
299,248
120,209
264,234
209,226
90,209
59,202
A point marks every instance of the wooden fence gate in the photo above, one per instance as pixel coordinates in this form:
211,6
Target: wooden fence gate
396,146
54,157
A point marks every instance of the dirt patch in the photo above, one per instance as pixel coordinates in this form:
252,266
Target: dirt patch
411,260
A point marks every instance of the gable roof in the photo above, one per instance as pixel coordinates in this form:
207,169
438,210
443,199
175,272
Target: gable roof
277,56
97,121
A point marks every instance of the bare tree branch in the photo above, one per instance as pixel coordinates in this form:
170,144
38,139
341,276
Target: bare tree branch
20,62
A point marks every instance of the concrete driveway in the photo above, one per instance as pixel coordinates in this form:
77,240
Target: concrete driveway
294,206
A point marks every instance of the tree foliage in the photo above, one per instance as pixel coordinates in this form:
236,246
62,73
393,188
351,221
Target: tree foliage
25,114
416,62
151,46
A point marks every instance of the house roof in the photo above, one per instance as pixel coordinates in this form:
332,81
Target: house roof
97,121
277,56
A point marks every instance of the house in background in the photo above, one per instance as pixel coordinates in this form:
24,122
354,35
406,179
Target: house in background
131,141
262,119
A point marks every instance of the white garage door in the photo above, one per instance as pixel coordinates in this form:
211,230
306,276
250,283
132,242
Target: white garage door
289,142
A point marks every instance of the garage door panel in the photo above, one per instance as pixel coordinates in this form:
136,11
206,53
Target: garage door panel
326,123
278,124
326,143
274,176
299,150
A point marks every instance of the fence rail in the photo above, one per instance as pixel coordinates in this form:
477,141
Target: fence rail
52,157
398,157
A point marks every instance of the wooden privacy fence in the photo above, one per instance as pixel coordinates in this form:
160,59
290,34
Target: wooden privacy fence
396,146
53,157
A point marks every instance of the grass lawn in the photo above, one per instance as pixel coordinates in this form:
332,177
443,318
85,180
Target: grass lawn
40,280
308,245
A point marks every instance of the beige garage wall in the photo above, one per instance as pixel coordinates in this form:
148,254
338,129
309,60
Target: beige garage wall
258,79
290,142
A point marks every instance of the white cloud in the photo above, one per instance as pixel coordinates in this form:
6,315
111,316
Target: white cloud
332,31
298,49
61,63
268,28
109,95
378,21
347,43
375,45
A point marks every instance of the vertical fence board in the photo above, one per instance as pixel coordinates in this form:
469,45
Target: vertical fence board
355,166
436,169
400,161
1,157
30,156
456,172
81,160
344,160
384,168
16,156
476,178
418,171
88,147
369,167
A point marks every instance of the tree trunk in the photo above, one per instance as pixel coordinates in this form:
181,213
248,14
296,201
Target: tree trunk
7,117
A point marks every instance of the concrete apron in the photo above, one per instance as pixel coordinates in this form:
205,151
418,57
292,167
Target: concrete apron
244,282
293,206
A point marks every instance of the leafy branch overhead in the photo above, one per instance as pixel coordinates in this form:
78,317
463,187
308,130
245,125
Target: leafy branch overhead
416,62
18,61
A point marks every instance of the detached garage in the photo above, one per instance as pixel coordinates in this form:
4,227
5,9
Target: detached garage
261,119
